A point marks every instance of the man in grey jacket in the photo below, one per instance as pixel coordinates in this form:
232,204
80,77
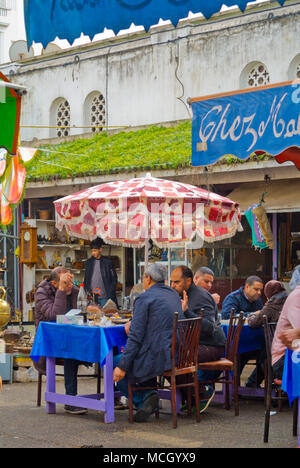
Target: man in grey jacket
148,350
56,296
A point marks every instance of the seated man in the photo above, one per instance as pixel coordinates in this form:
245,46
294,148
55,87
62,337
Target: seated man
56,296
148,350
246,299
289,318
204,278
212,340
276,297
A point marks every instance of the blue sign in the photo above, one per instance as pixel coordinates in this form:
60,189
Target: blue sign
67,19
266,119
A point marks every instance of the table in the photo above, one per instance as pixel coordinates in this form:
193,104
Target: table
251,339
84,343
291,379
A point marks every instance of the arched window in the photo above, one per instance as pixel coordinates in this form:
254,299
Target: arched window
60,118
94,110
294,69
254,74
63,119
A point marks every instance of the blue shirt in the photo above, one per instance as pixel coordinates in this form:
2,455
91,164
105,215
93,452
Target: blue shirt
238,301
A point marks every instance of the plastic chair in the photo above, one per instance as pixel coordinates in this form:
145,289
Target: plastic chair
184,355
230,363
272,384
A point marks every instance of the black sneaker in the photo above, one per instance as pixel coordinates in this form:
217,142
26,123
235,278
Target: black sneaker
120,403
149,407
74,409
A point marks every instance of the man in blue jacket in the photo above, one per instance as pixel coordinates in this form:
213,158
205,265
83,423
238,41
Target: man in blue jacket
148,349
246,299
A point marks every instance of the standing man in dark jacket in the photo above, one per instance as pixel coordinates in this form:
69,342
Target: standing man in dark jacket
100,276
212,339
56,296
148,349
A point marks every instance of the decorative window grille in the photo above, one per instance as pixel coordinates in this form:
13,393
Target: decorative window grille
258,76
63,119
97,112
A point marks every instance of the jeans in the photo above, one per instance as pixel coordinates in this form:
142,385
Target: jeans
138,396
70,372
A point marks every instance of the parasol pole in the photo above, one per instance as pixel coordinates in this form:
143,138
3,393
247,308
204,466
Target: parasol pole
147,241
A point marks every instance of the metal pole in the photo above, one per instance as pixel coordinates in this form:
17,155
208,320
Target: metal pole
134,266
275,250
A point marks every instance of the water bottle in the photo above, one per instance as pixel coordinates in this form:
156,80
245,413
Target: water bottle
82,302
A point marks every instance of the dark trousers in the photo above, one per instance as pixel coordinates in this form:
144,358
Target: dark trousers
205,354
258,374
70,371
278,368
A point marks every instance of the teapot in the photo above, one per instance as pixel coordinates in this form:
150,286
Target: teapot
4,308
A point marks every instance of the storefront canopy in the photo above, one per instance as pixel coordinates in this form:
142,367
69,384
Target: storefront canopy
280,195
67,19
241,123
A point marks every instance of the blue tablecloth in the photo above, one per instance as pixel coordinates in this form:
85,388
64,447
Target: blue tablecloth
251,339
85,343
291,375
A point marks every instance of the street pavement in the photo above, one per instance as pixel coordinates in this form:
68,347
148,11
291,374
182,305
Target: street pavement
24,425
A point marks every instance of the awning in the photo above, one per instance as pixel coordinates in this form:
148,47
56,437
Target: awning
246,122
67,19
281,195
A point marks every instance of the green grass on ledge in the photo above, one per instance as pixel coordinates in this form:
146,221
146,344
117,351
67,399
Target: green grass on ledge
155,147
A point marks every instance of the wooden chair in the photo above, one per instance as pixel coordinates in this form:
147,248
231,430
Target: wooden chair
184,355
272,384
230,363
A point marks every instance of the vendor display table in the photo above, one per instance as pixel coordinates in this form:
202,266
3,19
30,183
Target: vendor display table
291,379
84,343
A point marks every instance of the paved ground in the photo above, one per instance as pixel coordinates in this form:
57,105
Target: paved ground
22,424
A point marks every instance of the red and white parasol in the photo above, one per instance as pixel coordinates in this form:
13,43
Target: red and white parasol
130,212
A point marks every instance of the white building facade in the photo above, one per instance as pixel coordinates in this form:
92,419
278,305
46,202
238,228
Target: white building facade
11,26
146,78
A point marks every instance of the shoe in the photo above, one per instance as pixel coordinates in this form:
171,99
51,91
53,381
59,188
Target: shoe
250,384
149,407
74,409
120,403
208,395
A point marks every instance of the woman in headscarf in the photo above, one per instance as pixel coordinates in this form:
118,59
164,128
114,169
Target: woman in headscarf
276,295
289,318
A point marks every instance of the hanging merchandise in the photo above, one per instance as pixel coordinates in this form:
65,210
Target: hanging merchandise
13,181
264,224
262,236
3,154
